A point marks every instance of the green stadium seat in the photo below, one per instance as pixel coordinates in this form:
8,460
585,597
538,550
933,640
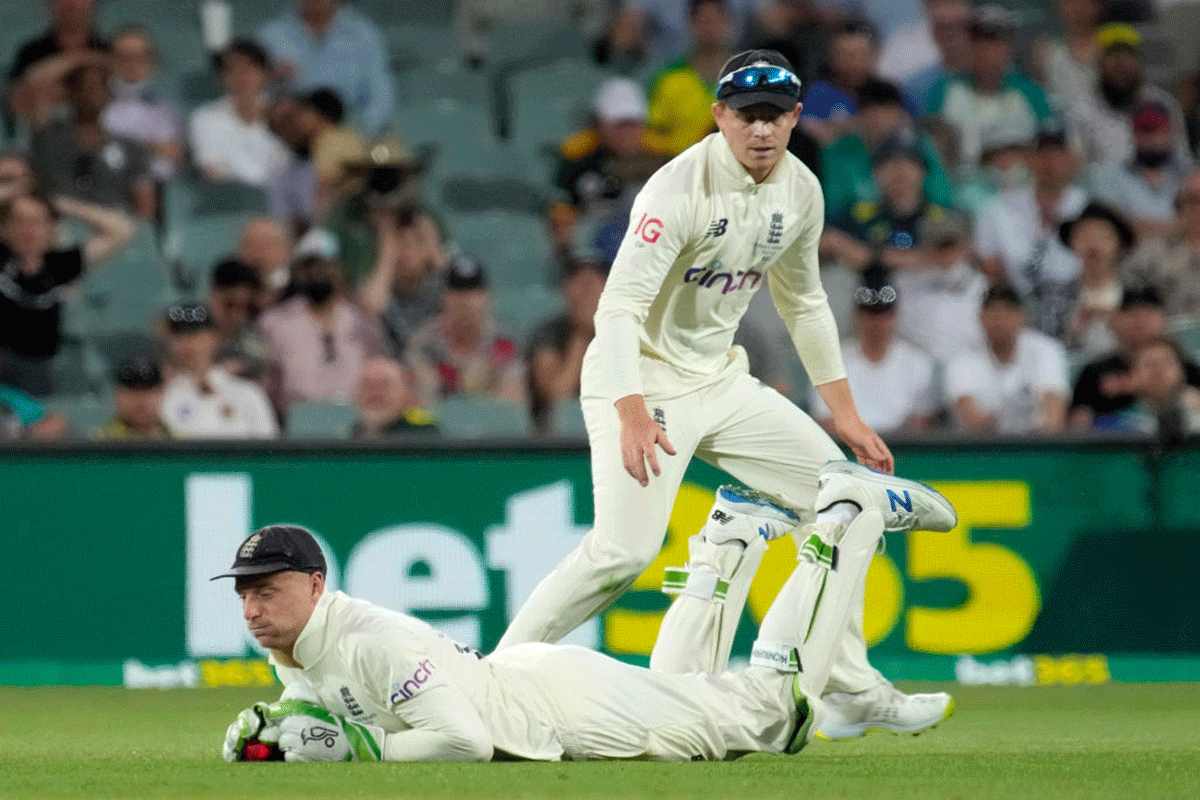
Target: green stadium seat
465,417
566,419
321,420
518,43
519,310
186,198
484,191
84,413
460,136
549,102
391,12
196,244
443,80
514,247
412,45
78,368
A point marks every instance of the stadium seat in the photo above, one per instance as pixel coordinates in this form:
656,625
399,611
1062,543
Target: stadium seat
390,12
195,244
566,419
461,136
188,197
465,417
78,368
84,413
419,44
444,80
320,420
548,103
484,191
517,43
514,247
518,310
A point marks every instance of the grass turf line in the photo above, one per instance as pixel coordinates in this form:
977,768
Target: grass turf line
1082,743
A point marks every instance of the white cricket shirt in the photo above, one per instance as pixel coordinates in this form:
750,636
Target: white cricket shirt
702,238
1012,391
889,392
234,409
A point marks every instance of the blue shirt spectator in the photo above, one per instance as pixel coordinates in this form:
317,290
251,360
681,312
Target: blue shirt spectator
320,44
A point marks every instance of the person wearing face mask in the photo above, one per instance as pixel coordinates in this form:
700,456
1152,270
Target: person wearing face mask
1100,237
1144,187
1099,122
1171,262
1016,234
139,110
1005,149
318,340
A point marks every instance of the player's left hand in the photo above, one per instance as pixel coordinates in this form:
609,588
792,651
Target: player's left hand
868,448
308,732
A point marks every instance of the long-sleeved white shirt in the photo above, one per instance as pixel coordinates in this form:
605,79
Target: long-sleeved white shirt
435,699
702,238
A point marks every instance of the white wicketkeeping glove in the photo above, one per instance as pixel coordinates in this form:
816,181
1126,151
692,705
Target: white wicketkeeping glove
308,732
250,724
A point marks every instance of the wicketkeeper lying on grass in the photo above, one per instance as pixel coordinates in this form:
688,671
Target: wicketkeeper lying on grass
366,684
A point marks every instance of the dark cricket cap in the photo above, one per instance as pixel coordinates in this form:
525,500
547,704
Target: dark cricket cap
1141,297
902,144
990,20
783,96
875,293
464,273
188,317
138,372
277,548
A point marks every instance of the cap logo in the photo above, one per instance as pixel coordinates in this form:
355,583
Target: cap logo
249,546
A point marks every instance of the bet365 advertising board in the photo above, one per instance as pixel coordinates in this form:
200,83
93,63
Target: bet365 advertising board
1072,562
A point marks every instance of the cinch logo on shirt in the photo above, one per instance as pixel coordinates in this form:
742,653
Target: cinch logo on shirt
413,685
710,276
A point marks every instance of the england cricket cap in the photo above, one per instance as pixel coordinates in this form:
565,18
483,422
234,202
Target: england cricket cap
277,548
759,76
188,318
875,293
138,372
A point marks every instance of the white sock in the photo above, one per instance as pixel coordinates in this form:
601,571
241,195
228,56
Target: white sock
840,513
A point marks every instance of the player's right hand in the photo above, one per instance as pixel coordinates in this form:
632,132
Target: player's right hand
248,725
639,436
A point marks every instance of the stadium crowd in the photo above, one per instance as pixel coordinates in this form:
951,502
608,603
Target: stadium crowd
377,219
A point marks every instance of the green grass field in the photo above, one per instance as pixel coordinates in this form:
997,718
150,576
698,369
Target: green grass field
1108,742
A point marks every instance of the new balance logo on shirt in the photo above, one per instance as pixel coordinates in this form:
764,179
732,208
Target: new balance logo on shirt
717,227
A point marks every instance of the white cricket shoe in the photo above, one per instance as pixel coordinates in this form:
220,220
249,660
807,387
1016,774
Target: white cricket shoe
742,514
881,709
906,505
810,715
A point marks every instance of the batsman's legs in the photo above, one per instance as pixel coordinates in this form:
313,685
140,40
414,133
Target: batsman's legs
627,534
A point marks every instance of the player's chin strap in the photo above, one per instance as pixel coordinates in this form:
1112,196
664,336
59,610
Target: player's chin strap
697,632
809,614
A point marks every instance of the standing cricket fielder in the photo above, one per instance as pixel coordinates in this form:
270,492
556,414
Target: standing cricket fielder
362,683
732,212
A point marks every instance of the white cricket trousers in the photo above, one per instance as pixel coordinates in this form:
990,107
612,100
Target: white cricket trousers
601,708
734,423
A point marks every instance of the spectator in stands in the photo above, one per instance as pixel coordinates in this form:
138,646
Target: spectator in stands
1170,262
229,137
942,298
1144,188
292,195
1103,388
601,168
33,272
202,400
460,351
912,48
1006,148
1067,67
476,21
846,166
949,26
234,293
682,94
659,28
387,403
1018,384
318,340
829,105
990,90
325,44
890,229
892,381
35,87
1016,235
1100,238
266,247
78,158
1099,122
21,416
16,176
406,286
139,110
554,354
1165,405
332,147
138,397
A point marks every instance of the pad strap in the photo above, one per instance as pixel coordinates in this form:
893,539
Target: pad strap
818,551
775,655
703,584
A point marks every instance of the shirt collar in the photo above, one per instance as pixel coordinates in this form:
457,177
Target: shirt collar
730,172
310,644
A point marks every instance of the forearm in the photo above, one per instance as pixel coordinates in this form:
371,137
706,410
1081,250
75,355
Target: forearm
1054,412
113,228
815,337
618,336
837,396
420,745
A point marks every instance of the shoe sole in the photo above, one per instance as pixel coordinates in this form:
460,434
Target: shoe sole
750,497
945,716
878,478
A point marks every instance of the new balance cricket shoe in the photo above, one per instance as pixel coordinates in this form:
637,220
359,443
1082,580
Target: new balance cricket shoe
883,709
809,717
741,513
906,505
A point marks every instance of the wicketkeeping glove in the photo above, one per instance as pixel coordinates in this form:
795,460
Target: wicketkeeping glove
250,724
308,732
